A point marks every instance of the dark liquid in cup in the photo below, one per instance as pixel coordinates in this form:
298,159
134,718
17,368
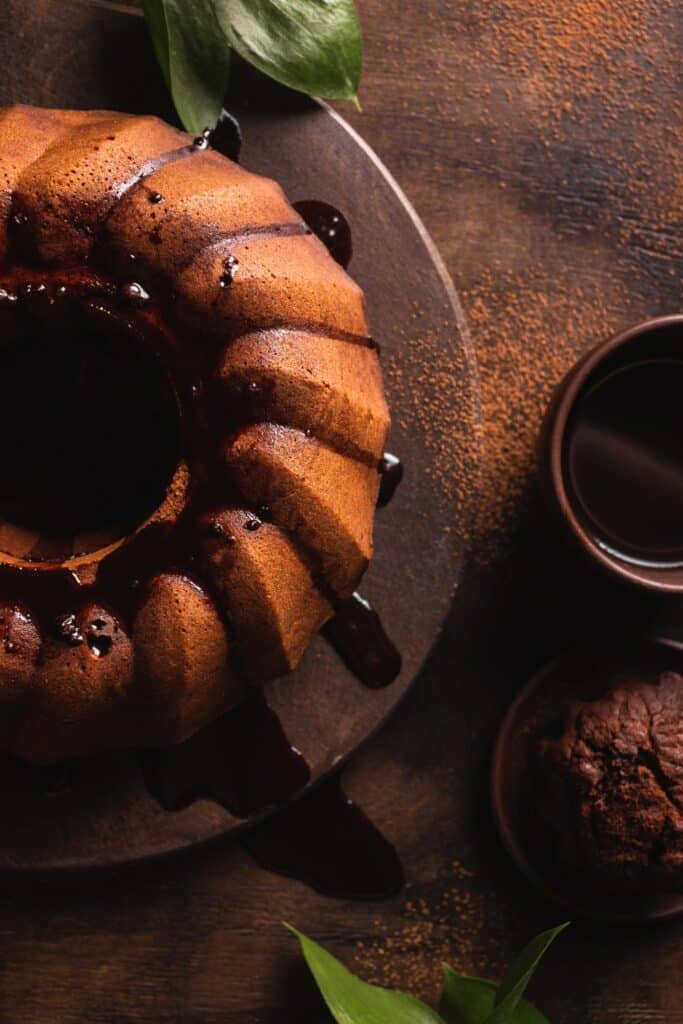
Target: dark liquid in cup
624,462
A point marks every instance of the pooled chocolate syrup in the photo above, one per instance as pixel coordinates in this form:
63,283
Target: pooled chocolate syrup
391,471
331,227
242,760
359,638
326,841
624,462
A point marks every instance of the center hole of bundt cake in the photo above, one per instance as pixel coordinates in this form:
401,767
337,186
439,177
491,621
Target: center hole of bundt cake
89,438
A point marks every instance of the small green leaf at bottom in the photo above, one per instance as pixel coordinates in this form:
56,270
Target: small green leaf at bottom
352,1001
472,1001
513,985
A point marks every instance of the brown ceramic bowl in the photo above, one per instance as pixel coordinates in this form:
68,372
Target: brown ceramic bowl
537,712
653,339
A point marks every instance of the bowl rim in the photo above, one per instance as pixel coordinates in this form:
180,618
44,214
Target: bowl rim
573,385
668,905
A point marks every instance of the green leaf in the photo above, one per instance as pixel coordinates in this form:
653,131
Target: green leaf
472,1001
352,1001
194,57
158,30
465,1000
314,46
514,983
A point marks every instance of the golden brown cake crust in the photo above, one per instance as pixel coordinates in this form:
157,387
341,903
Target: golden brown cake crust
267,522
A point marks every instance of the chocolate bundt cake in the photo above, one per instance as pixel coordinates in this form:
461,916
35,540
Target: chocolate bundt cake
192,416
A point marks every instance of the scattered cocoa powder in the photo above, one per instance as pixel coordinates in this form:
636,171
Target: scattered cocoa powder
540,143
456,929
608,67
435,389
528,337
571,107
569,111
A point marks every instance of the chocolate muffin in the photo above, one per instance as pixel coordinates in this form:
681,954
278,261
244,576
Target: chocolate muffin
611,787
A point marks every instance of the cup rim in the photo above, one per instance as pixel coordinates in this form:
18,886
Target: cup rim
560,419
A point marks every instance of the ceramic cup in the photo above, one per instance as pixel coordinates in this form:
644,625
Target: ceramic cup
636,347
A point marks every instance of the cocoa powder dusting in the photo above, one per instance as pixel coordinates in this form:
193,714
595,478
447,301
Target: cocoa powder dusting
600,69
540,145
514,317
455,929
563,182
433,388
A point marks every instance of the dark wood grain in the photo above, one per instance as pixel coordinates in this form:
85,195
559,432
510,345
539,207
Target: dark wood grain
533,215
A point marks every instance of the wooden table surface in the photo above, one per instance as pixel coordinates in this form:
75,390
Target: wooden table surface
538,140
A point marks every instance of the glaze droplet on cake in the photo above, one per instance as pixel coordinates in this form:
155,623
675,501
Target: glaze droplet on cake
120,232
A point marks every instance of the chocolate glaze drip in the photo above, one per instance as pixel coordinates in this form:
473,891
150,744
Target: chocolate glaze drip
311,327
331,227
391,469
243,761
359,638
227,136
151,166
201,142
326,841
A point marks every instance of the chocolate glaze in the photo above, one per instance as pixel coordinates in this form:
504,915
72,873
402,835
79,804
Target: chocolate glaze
68,630
202,141
331,227
243,761
156,164
391,469
624,461
326,841
227,136
51,596
230,268
359,638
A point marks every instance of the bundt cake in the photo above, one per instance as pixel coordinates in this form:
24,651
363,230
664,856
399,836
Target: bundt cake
192,417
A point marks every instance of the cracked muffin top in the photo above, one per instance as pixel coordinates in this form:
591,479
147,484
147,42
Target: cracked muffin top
612,786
